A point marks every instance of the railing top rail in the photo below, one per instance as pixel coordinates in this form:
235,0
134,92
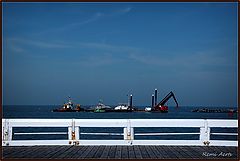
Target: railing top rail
53,119
122,122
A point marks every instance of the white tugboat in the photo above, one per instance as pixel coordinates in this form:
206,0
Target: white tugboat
124,107
121,106
101,107
69,104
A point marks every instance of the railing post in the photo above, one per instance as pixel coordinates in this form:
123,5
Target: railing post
205,133
73,134
6,132
128,133
77,136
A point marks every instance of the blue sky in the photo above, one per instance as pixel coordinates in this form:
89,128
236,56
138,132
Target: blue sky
94,51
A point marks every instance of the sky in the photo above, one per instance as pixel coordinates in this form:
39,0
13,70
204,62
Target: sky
107,51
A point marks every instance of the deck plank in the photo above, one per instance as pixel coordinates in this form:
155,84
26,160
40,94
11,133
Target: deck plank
170,151
163,152
181,153
150,152
79,152
70,152
137,152
105,152
65,151
143,151
118,152
86,151
197,151
131,153
92,152
112,152
99,152
12,151
157,153
187,152
40,152
124,152
61,150
30,153
52,152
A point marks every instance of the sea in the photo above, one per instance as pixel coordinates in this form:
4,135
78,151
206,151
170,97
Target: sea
184,112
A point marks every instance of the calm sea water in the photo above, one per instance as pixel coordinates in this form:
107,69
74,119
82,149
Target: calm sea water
42,112
38,111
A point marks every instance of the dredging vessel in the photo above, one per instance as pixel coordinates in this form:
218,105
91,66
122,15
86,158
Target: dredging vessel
160,107
68,107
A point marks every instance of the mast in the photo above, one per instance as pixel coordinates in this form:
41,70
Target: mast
155,96
152,100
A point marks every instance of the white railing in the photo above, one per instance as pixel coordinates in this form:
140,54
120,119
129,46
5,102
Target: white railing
74,130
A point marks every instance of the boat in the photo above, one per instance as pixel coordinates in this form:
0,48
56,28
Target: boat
68,107
207,110
160,107
123,108
148,109
102,108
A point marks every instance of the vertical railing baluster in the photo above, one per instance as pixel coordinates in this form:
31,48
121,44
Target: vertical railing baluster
205,133
128,133
7,132
77,129
70,134
76,133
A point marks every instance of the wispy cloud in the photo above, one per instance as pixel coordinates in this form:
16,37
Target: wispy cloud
97,61
107,47
94,18
17,49
140,55
73,25
125,10
116,53
198,61
145,57
22,47
13,41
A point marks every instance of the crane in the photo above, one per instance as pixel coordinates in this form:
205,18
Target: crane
161,106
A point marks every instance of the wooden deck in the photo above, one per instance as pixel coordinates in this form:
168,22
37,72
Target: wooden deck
120,152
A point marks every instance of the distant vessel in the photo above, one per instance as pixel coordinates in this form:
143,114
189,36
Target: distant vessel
68,107
121,107
124,107
101,107
160,107
148,109
207,110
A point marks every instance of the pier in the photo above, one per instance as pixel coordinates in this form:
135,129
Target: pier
120,152
129,145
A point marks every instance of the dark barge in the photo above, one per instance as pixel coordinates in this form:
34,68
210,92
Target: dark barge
207,110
